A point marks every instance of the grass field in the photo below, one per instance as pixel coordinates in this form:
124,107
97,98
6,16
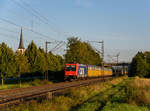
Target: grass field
27,83
120,94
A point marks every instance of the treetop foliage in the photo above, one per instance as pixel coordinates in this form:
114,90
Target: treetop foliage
81,52
33,61
140,65
7,61
36,60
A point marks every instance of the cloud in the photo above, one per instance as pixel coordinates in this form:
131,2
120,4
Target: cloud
84,3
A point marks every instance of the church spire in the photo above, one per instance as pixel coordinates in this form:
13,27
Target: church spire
21,44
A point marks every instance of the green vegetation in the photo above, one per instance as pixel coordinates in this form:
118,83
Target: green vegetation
7,62
71,100
120,94
124,107
38,82
126,96
25,83
81,52
35,61
22,65
140,65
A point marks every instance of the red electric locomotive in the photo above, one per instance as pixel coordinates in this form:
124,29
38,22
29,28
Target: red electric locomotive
73,71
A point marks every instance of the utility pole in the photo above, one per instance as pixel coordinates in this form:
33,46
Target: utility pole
124,69
117,63
46,49
102,54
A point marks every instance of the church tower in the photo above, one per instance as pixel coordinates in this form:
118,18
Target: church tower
21,44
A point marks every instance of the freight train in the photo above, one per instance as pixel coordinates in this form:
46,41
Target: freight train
120,70
75,71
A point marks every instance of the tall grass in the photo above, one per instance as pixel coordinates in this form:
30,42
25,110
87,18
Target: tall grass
71,99
135,96
128,95
138,92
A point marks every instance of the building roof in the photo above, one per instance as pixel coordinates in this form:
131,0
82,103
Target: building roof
21,44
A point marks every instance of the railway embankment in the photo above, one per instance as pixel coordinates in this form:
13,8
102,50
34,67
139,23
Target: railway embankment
21,95
88,98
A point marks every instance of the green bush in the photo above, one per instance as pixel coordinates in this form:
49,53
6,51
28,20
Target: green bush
123,107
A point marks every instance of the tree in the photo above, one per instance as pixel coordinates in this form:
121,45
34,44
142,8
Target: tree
55,63
41,61
7,62
81,52
36,58
22,65
139,66
147,58
61,62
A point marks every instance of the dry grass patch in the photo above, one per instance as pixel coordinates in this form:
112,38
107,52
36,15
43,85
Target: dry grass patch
141,82
118,79
138,91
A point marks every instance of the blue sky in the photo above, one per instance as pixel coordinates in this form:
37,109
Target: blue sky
123,24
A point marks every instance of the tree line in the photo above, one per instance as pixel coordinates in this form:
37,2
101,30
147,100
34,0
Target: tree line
35,60
140,65
13,64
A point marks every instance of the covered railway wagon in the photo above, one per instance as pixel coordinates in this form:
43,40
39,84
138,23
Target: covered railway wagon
73,71
96,71
120,70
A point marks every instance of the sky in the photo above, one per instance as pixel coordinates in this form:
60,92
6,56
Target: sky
123,24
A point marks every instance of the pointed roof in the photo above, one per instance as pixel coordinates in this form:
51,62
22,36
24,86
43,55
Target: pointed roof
21,44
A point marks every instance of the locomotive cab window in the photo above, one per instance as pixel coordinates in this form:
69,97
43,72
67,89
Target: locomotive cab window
70,68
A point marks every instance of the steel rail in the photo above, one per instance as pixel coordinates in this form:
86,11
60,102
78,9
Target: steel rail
15,96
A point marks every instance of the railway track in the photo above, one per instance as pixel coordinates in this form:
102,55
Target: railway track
20,95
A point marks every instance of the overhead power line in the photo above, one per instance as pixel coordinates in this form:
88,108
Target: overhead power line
8,30
58,46
7,35
27,7
101,52
26,28
29,11
10,22
33,10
